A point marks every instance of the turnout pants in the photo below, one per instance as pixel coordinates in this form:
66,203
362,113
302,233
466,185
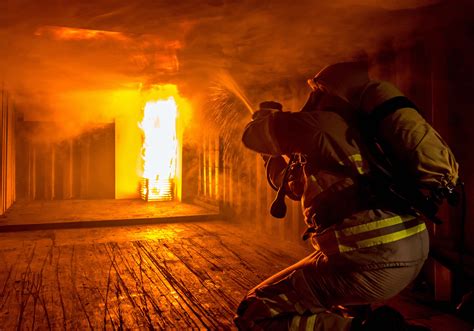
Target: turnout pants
300,297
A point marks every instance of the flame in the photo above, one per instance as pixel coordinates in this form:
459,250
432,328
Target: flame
160,148
67,33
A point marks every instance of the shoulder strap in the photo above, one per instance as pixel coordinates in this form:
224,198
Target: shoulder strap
389,107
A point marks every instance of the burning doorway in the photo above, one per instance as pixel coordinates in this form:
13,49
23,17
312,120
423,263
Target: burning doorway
105,165
160,151
165,114
141,143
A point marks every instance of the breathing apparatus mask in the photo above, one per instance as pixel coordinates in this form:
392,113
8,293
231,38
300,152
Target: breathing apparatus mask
296,161
315,97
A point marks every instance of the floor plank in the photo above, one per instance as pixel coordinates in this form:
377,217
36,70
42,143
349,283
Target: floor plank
164,276
178,276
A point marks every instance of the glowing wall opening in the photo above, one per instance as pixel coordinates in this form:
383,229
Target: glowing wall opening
159,150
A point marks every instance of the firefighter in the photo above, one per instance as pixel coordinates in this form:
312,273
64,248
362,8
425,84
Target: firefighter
367,247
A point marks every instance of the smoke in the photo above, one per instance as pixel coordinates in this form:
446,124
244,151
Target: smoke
271,48
72,63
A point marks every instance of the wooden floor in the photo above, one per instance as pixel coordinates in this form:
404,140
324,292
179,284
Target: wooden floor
163,276
178,276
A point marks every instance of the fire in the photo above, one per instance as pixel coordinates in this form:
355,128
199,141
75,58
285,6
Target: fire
67,33
160,149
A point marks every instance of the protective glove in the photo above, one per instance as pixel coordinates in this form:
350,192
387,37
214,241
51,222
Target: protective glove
296,182
266,108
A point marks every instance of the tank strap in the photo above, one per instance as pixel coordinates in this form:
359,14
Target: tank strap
389,107
368,124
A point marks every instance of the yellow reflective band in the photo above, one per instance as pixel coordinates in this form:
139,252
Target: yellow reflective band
310,322
355,158
295,323
284,297
405,233
268,300
273,312
380,224
352,158
360,170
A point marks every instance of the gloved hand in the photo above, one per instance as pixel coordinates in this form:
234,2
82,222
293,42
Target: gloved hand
265,108
296,181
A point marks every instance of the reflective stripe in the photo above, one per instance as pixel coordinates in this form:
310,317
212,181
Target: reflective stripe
355,158
358,162
369,234
391,237
383,223
284,297
295,323
312,178
277,304
310,322
361,170
271,305
269,300
273,312
306,323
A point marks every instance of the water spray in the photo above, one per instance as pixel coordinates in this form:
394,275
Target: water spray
231,85
278,207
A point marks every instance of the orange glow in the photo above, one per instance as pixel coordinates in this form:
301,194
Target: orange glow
160,149
66,33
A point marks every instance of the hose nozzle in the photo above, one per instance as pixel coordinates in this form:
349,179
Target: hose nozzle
278,208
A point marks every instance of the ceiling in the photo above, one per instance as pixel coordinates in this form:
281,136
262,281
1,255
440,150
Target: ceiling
51,47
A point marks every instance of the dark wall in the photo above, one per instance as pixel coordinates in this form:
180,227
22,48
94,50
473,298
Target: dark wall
82,167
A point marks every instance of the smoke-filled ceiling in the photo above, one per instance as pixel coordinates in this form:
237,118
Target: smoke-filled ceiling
52,48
